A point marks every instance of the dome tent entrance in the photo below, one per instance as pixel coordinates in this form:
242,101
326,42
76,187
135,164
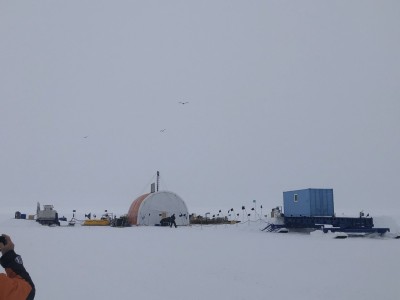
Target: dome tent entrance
149,209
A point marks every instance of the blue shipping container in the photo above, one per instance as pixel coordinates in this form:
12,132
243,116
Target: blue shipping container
308,203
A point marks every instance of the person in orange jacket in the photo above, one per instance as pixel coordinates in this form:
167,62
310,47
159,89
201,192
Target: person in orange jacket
16,284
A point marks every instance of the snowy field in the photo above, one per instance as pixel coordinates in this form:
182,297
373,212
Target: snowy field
202,262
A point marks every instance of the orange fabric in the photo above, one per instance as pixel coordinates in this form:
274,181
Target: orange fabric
13,288
134,209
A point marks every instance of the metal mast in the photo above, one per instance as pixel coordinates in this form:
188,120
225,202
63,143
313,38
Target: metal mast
158,179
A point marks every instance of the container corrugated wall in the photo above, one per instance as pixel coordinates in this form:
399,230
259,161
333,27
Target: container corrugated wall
308,203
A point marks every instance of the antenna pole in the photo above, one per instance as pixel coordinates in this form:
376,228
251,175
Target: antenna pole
158,179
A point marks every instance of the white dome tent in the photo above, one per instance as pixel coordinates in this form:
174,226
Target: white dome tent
149,209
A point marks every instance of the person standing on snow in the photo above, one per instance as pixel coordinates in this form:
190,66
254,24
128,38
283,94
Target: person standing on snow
16,284
172,221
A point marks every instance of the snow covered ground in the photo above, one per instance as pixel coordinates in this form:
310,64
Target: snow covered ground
202,262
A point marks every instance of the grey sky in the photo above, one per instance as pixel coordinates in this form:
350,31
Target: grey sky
282,95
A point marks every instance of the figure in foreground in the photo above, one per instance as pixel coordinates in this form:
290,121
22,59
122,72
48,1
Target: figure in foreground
16,284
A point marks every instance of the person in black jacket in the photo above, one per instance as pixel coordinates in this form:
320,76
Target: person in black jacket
16,284
172,221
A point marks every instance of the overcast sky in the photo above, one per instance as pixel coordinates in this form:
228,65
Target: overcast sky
282,95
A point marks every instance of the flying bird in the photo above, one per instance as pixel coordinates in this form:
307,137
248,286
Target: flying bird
162,130
183,103
85,137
